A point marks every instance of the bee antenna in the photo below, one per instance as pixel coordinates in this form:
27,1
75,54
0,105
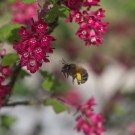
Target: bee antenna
63,61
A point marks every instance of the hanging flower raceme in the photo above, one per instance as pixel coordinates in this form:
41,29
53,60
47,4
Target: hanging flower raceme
88,121
34,45
4,90
90,22
23,12
5,71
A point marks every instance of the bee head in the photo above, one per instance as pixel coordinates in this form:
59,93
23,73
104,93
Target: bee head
66,68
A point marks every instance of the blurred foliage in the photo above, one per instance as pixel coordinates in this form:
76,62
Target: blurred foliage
52,1
123,111
9,32
28,1
11,1
55,12
23,73
20,89
57,105
126,6
9,59
7,121
53,84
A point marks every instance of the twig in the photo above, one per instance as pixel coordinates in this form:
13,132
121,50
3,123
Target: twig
26,102
15,75
17,103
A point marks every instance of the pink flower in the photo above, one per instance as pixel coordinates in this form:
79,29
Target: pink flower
34,45
40,27
2,52
131,128
4,91
88,121
100,13
4,88
5,70
79,123
71,97
89,103
23,12
90,22
1,79
91,29
73,4
74,14
91,2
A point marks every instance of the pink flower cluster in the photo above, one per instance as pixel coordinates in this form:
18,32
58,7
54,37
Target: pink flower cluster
5,71
34,45
88,121
23,12
131,128
90,22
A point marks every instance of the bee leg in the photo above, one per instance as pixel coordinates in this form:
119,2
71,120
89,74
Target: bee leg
73,79
67,75
78,82
64,75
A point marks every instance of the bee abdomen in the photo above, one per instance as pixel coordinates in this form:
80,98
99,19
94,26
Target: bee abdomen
84,76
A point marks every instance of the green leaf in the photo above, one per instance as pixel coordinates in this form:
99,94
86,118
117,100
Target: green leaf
51,83
11,1
21,89
47,84
7,121
9,59
9,33
28,1
119,110
52,1
56,11
51,16
57,106
63,11
23,73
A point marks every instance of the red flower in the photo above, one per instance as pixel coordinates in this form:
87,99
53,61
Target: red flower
2,52
4,91
34,45
40,27
91,2
5,70
75,14
73,4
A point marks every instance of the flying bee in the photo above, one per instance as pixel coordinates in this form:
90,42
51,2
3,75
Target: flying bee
75,71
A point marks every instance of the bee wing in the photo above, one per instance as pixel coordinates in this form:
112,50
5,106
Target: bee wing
63,61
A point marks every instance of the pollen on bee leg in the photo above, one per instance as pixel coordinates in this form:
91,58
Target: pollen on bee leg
78,77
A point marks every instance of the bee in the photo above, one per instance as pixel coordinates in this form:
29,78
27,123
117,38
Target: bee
75,71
